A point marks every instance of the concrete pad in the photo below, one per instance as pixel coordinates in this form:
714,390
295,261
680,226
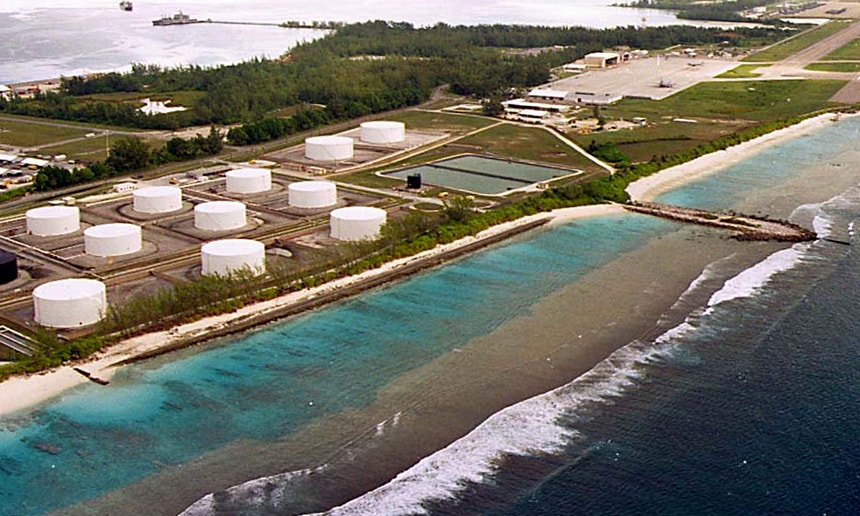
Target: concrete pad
641,77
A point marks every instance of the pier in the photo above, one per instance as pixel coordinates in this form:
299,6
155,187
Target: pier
183,19
745,227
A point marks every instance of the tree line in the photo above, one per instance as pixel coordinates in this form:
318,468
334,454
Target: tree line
359,69
129,154
716,11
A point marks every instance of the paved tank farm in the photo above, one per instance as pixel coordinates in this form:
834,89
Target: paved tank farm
364,153
170,247
642,78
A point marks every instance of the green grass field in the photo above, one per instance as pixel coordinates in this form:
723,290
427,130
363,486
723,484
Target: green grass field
848,52
27,134
662,137
91,149
441,121
745,71
527,143
790,46
834,67
753,101
720,108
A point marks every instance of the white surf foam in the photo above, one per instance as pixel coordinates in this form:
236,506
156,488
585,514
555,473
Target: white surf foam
526,428
753,279
250,493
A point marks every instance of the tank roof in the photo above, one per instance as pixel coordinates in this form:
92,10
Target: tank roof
68,289
232,247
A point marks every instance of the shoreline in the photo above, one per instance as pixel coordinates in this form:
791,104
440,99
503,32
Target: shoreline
21,392
649,188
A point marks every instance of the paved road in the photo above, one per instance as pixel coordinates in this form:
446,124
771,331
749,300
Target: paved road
793,66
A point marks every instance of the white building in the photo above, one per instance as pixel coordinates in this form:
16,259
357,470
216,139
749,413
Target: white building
601,59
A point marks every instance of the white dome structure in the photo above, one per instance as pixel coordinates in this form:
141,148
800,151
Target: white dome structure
313,194
113,239
249,180
53,220
356,223
328,148
219,215
69,303
383,132
224,257
157,199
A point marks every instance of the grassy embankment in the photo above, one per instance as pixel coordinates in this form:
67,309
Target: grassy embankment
791,46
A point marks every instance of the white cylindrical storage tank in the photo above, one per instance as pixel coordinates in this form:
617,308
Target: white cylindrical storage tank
219,215
383,132
328,148
223,257
313,194
157,199
69,303
112,239
356,222
53,220
249,180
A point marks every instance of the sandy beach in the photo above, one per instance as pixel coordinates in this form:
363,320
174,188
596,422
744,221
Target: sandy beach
22,392
648,188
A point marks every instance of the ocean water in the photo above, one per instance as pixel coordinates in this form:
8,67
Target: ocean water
44,39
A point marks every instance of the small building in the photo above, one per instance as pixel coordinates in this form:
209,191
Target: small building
516,105
8,158
547,95
532,116
595,99
34,162
601,59
124,187
574,67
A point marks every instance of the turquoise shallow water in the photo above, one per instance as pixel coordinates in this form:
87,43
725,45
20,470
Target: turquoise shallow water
832,146
265,384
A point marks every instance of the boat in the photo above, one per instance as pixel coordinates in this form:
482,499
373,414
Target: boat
177,19
125,5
